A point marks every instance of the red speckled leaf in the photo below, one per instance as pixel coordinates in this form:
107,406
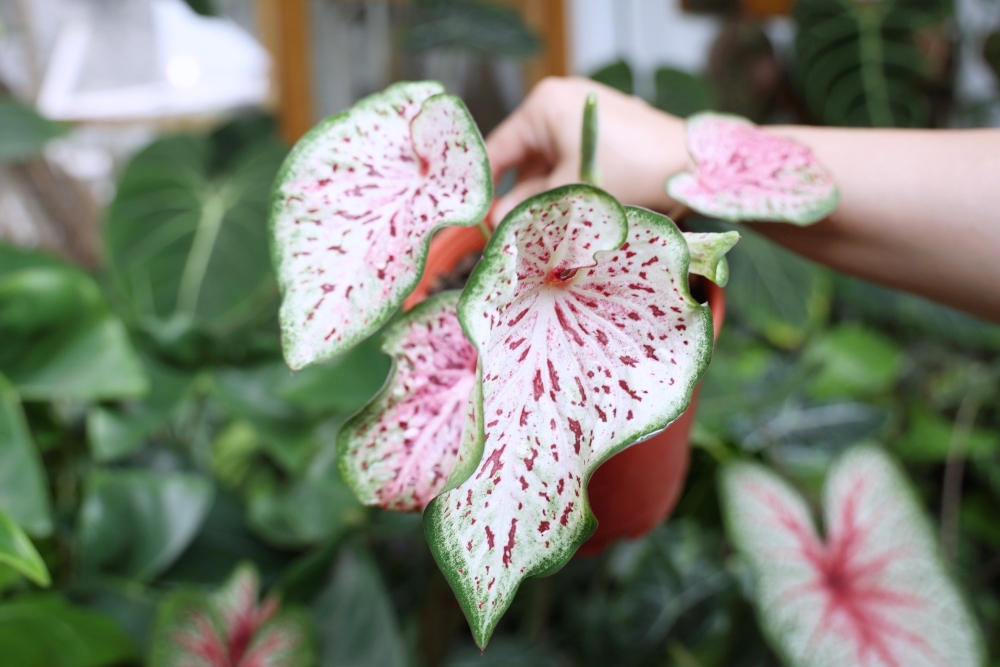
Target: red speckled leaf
872,593
743,173
229,629
354,207
398,452
589,341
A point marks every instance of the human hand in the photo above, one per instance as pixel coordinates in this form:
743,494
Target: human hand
638,146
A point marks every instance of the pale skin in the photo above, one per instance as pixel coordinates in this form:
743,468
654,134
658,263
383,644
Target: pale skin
919,209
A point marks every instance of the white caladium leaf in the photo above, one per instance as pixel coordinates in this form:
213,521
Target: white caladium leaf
708,254
743,173
354,207
589,340
398,452
873,592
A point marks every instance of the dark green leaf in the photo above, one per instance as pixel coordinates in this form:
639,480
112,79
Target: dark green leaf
114,432
465,25
17,551
853,361
60,339
355,619
991,52
316,508
46,631
504,652
24,494
23,132
189,251
343,385
618,75
779,294
683,94
137,523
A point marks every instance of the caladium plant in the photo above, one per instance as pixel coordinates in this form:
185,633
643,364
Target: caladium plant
584,335
354,207
871,592
742,173
229,628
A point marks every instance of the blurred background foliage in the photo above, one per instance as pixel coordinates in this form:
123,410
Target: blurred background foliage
151,438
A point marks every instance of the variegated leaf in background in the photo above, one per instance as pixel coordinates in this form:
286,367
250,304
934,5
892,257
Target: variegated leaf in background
872,592
230,629
398,452
588,341
354,207
742,173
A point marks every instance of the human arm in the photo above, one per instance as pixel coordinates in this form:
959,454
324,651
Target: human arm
919,210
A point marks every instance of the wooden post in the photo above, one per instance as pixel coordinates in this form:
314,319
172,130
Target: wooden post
548,19
284,25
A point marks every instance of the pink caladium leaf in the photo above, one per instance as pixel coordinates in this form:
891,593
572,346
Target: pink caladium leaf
229,629
872,593
398,452
708,254
354,207
742,173
589,341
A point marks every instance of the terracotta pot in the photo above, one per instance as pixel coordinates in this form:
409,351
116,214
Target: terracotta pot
635,490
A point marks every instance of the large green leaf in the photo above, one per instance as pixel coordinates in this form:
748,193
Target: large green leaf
187,246
23,132
853,362
60,340
315,508
928,437
618,75
780,295
17,551
683,94
46,631
857,63
136,523
114,432
24,494
355,619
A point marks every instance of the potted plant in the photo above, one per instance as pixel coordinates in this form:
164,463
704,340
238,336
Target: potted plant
576,336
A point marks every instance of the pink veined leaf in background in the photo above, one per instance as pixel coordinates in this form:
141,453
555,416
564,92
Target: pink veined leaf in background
229,629
354,207
742,173
872,593
398,452
588,341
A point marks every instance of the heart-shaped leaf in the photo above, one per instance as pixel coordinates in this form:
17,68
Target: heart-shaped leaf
229,629
17,551
398,452
24,486
872,592
708,254
354,208
588,341
743,173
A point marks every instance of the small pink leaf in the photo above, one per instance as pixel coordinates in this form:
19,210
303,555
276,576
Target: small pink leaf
282,642
743,173
873,593
708,254
354,207
398,452
589,341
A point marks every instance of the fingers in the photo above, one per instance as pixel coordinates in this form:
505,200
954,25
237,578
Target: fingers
512,143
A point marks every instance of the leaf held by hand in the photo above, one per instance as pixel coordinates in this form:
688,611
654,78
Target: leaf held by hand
742,173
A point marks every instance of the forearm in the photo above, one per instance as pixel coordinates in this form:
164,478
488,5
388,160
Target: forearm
919,210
